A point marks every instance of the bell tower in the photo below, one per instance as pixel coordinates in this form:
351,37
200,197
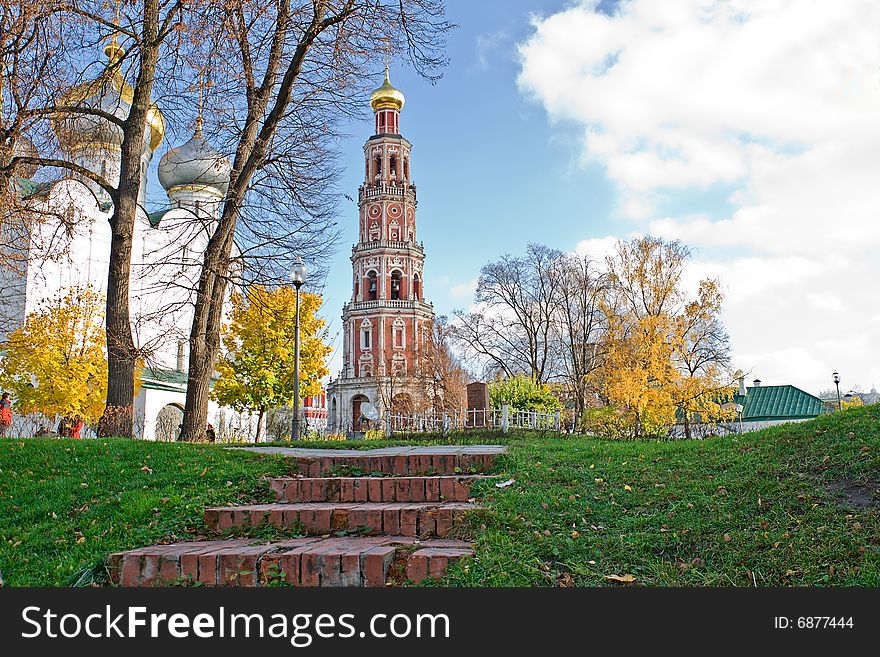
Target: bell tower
387,322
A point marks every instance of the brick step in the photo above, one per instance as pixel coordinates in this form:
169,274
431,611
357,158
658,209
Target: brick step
332,562
375,489
461,461
318,518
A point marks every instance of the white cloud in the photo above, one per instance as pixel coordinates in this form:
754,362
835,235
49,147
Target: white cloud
487,45
597,248
463,290
776,100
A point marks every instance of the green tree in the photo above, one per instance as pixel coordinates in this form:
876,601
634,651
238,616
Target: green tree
56,363
523,393
257,372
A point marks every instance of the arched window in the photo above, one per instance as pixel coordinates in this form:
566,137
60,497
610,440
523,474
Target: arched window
366,335
395,285
378,173
392,167
372,290
406,168
417,291
399,334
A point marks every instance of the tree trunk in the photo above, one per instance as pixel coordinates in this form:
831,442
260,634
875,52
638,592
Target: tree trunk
204,341
118,419
260,423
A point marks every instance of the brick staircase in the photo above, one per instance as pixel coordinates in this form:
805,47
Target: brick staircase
388,527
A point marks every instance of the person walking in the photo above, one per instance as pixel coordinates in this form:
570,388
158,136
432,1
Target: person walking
5,414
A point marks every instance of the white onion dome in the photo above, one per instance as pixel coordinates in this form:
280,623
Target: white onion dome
195,163
110,93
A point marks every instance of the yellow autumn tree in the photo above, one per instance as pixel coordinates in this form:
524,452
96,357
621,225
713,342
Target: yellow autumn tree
257,372
665,356
56,363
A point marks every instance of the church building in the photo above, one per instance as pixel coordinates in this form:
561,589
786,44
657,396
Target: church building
387,323
69,246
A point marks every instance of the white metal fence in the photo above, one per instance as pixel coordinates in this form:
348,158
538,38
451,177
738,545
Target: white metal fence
504,418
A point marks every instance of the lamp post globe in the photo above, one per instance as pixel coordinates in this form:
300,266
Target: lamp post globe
298,273
298,277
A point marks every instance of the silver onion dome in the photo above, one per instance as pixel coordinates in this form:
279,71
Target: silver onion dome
195,163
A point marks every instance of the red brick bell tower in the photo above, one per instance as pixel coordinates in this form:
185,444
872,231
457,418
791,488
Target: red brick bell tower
387,321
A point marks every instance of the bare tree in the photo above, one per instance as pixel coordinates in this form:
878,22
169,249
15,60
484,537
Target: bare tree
579,323
443,379
301,64
513,330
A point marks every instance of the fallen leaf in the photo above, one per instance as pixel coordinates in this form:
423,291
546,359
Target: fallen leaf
147,469
565,580
623,579
204,472
727,538
505,484
627,487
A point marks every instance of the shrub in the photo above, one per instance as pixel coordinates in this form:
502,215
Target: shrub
607,422
523,393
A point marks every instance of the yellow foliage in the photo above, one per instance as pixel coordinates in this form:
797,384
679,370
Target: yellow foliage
663,358
56,363
258,371
855,402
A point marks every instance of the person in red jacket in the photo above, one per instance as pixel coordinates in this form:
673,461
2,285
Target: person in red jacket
76,427
5,414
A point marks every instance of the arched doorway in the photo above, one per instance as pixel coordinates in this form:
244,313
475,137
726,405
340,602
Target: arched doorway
168,422
356,403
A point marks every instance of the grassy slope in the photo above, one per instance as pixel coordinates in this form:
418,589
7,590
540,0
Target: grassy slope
752,509
66,504
745,510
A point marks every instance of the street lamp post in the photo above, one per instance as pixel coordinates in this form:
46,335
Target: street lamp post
836,378
298,276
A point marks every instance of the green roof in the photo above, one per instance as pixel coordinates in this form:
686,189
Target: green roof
171,380
778,403
156,217
29,188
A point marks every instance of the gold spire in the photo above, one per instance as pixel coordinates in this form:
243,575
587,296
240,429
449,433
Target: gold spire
113,50
387,96
201,86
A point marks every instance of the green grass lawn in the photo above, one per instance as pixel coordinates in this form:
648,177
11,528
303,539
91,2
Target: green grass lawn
792,505
66,504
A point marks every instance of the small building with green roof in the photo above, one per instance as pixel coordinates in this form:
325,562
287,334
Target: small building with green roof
768,405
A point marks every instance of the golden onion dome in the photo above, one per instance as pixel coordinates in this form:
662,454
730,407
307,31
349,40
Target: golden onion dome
95,93
387,96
